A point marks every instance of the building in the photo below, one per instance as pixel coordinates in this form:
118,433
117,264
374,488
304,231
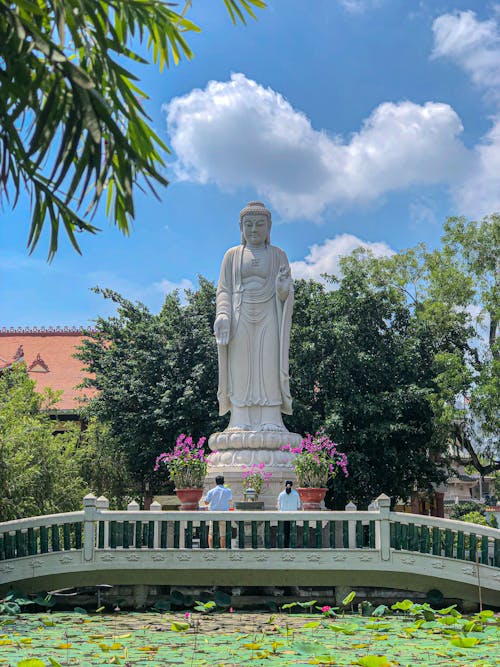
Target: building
48,355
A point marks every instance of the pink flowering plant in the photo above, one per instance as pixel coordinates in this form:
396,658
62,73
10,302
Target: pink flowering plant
186,465
317,460
254,477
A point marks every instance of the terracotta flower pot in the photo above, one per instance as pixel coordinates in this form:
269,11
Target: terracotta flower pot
311,497
189,498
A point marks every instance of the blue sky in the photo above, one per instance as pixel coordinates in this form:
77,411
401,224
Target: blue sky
363,122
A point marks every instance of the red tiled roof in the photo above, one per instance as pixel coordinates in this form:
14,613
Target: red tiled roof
48,354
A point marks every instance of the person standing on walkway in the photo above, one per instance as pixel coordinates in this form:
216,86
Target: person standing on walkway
219,499
288,501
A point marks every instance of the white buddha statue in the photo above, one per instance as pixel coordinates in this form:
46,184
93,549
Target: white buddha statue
252,327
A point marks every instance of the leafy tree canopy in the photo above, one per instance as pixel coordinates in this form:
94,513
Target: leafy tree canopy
156,374
454,294
72,121
39,473
361,368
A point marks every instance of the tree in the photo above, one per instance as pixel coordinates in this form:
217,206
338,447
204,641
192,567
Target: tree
103,465
362,368
72,124
454,294
156,375
39,473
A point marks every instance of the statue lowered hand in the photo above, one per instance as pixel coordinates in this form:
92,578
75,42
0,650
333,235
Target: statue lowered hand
221,330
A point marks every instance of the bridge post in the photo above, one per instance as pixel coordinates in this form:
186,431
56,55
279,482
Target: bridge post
351,507
156,507
382,527
89,518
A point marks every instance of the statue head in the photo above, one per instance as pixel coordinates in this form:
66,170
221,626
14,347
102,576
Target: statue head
255,210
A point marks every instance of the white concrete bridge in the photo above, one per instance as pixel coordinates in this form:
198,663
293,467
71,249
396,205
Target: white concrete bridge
376,548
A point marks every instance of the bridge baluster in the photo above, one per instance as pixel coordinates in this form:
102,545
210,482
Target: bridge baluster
496,553
138,534
2,547
19,544
281,535
189,535
56,546
267,534
460,545
44,540
100,535
484,550
424,540
319,534
229,534
396,536
331,531
345,534
293,534
371,535
203,535
112,534
448,543
472,547
151,536
241,534
177,532
436,541
31,542
254,535
305,535
67,536
125,534
216,534
78,535
404,536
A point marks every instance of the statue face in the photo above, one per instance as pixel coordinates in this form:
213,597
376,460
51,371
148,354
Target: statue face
255,228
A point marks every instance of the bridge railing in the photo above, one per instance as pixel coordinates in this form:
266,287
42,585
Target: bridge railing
97,528
443,537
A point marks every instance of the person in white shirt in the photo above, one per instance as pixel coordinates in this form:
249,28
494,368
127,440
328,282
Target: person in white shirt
288,501
219,499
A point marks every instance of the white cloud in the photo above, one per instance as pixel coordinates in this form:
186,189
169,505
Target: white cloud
474,45
167,286
478,193
359,6
325,257
240,134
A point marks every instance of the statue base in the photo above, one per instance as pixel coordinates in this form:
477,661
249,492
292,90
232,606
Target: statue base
231,450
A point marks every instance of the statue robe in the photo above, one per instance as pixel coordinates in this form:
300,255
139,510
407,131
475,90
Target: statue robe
253,367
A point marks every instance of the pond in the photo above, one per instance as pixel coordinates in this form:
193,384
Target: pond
231,639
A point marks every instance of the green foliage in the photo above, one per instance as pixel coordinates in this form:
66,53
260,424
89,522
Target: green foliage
156,376
103,465
466,507
362,367
39,473
72,118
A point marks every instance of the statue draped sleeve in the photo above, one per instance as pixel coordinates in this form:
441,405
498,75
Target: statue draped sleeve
224,305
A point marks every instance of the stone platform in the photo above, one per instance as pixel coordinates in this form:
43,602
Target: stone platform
232,449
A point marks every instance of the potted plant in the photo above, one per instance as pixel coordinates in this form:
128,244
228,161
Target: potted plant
254,477
316,461
187,467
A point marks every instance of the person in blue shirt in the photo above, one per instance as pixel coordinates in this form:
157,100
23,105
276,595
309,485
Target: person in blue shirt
219,499
288,501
